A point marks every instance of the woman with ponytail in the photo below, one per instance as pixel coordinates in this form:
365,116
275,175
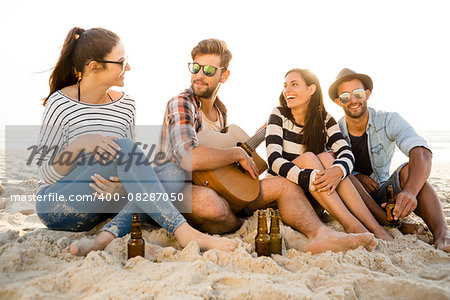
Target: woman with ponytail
304,145
87,130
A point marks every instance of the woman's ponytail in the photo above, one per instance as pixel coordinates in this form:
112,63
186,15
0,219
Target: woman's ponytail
65,73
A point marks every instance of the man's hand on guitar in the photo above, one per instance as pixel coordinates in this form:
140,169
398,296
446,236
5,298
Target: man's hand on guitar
247,163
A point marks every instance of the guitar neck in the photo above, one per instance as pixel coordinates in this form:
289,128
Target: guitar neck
256,139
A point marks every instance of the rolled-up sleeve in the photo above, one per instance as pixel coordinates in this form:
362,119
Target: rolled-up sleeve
181,128
404,135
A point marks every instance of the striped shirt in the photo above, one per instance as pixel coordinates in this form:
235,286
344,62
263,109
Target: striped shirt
65,119
284,144
182,122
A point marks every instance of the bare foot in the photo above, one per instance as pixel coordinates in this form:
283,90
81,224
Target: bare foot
443,242
85,245
407,228
185,234
81,247
383,234
335,241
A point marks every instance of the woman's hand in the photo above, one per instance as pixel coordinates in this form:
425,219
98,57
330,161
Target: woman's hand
101,147
103,186
328,180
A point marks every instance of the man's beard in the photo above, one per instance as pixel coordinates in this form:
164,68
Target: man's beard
358,114
204,93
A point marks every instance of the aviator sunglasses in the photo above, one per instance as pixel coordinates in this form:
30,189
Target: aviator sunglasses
358,93
209,71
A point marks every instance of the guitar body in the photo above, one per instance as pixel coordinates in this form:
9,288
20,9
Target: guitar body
231,181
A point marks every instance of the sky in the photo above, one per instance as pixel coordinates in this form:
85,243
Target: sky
402,45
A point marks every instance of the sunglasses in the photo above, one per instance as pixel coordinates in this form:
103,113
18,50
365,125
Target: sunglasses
123,62
358,93
119,62
209,71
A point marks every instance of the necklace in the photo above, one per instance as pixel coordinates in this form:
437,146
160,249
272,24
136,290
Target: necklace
79,93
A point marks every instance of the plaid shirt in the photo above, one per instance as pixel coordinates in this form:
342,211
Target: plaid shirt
182,122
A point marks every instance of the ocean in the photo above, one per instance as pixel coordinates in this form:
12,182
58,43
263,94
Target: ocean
438,141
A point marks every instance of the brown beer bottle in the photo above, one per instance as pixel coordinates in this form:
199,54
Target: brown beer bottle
390,205
275,235
136,244
262,240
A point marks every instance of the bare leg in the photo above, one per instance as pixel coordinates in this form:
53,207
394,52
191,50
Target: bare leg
211,213
185,234
353,201
379,214
332,203
297,212
430,210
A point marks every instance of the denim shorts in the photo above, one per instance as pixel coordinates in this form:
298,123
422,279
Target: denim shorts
380,197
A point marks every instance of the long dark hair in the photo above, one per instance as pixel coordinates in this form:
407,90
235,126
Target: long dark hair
80,47
314,134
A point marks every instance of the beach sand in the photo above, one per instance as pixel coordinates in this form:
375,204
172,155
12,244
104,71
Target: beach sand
33,267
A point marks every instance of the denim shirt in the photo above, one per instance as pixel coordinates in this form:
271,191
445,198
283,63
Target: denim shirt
384,131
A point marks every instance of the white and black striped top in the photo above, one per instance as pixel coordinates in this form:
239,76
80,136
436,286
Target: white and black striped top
284,144
65,119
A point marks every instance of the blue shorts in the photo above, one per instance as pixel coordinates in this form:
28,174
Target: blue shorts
380,196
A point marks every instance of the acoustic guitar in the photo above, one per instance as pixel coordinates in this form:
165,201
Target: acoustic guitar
232,182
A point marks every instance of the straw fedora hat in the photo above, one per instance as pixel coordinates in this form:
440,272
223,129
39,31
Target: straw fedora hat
346,75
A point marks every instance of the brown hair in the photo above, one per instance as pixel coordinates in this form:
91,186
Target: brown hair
213,46
314,134
80,47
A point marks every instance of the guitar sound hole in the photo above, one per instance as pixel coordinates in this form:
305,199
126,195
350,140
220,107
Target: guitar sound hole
240,167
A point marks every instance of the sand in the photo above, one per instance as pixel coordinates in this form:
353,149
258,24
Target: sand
32,265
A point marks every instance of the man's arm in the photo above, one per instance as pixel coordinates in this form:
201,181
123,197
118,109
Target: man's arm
419,168
208,158
370,185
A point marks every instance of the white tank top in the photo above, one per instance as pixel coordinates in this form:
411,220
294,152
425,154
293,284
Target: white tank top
207,124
